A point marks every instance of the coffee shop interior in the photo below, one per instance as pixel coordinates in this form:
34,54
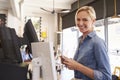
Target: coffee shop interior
48,28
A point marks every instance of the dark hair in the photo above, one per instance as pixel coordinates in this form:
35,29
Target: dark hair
3,19
28,49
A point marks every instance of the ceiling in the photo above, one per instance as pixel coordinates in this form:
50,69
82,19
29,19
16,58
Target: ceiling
4,5
28,7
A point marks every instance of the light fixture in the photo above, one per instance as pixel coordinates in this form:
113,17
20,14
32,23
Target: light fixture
65,10
115,11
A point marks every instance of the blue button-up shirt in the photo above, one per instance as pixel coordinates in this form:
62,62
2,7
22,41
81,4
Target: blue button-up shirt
92,52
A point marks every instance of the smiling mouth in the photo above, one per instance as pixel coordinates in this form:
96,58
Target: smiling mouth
82,26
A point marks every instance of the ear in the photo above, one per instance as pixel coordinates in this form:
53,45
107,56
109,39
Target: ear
94,21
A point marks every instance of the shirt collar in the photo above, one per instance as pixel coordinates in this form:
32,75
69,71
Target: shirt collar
90,35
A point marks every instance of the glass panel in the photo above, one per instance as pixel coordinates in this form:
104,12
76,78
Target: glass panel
99,28
69,45
114,41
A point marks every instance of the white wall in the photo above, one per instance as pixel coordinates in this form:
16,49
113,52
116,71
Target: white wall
49,22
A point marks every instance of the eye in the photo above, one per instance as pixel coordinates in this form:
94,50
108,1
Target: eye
84,19
78,19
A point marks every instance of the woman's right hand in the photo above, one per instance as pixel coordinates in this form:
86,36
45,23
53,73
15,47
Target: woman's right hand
69,63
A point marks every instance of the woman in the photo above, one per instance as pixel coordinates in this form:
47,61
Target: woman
91,61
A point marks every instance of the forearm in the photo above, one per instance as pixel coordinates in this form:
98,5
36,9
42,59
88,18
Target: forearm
85,70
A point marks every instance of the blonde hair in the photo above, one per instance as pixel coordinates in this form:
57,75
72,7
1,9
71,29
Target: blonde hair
89,9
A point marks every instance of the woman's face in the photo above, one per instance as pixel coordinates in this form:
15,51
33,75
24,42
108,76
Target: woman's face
84,22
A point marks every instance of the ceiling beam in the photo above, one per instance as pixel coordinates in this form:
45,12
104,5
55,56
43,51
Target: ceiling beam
15,7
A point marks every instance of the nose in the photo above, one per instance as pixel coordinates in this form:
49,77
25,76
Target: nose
80,22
